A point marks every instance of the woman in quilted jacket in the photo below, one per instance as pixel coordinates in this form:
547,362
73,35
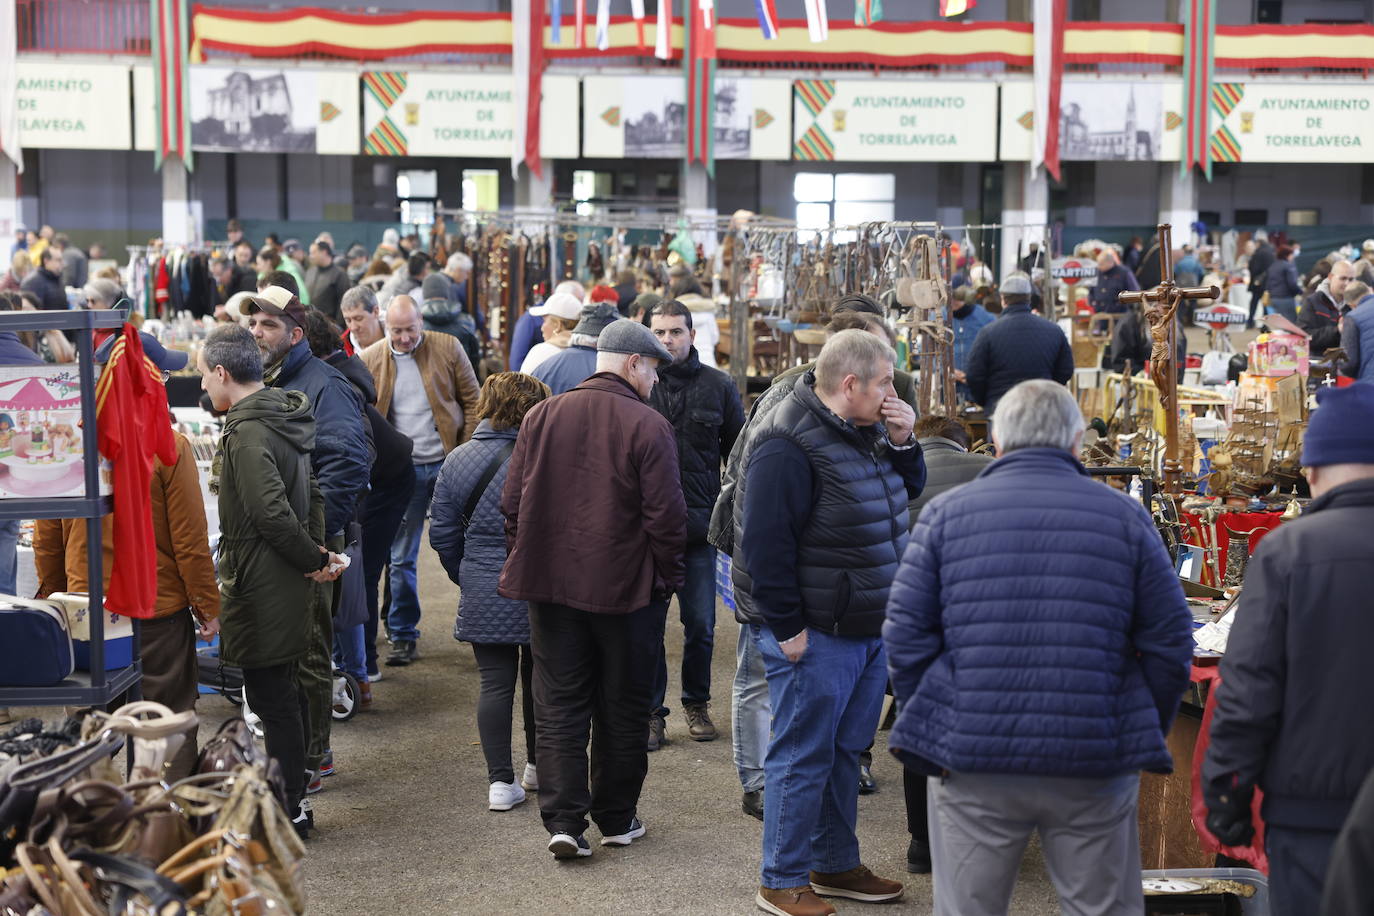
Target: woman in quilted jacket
468,533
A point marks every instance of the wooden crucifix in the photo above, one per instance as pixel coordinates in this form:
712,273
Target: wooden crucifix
1161,307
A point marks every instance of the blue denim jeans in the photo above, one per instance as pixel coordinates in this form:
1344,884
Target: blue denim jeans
403,617
750,710
9,557
348,652
696,604
825,712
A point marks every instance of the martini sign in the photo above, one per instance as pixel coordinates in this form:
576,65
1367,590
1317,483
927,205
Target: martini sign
1220,317
1073,270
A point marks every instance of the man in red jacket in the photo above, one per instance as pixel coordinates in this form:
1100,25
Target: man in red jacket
596,525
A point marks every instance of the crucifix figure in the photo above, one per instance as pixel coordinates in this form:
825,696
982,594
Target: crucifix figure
1161,307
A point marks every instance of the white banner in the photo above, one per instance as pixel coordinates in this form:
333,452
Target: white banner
1100,120
1293,122
73,106
427,113
276,110
894,121
645,117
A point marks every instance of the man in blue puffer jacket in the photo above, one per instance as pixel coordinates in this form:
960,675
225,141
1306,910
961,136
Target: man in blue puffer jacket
1039,645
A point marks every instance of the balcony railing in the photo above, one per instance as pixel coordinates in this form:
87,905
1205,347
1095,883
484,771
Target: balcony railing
83,26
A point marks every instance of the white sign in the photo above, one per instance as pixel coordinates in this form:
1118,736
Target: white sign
428,113
894,121
646,117
1075,270
1219,315
1100,120
73,106
1293,122
281,110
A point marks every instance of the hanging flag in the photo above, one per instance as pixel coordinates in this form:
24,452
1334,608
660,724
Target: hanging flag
580,27
663,32
816,22
603,24
768,18
1199,97
527,58
956,7
170,28
557,24
9,90
867,12
699,65
637,11
1049,77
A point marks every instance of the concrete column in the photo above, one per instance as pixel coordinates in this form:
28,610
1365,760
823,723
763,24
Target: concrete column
181,216
1025,211
10,211
698,190
533,192
1178,201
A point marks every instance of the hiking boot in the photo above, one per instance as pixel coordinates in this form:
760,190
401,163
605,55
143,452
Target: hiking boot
403,652
867,784
364,695
752,803
699,724
658,732
856,884
792,901
918,857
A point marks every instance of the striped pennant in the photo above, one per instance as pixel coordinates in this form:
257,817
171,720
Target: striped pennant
814,146
762,118
1224,147
385,86
612,116
815,94
1225,97
867,12
171,80
385,139
1172,120
328,112
1027,120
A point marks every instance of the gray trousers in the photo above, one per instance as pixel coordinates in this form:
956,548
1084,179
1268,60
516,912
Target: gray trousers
980,824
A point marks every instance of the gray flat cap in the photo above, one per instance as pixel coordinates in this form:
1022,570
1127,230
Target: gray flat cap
1016,284
596,317
626,336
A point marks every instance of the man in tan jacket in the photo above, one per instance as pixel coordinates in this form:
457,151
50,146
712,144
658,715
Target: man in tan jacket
427,389
187,593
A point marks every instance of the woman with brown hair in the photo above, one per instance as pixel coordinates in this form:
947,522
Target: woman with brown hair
468,533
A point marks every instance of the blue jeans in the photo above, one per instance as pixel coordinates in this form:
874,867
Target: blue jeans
348,652
403,617
696,604
825,712
9,557
750,710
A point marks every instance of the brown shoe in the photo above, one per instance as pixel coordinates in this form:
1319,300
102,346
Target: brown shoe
364,695
792,901
857,884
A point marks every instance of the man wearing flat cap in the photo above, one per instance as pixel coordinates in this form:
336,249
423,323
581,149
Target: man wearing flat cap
595,529
1296,670
341,461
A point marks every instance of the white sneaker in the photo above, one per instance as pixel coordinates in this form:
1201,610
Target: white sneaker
635,831
502,796
530,781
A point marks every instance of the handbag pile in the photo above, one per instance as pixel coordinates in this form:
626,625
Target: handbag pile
76,839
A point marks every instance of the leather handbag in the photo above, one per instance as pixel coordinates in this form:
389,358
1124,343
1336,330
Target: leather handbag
20,790
35,643
232,747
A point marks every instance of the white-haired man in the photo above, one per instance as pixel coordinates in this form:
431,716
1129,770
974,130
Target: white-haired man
1036,684
821,521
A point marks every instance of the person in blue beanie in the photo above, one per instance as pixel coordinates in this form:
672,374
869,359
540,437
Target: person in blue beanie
1296,675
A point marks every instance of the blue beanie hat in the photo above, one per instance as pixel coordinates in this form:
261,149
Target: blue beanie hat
1341,429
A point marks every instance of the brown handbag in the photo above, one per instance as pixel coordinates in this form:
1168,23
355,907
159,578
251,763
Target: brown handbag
232,747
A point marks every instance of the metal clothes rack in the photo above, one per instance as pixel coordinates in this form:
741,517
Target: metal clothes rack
96,687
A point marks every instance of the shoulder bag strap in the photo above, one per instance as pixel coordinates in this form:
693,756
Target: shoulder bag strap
485,481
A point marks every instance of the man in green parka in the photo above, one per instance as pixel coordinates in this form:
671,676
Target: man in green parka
271,528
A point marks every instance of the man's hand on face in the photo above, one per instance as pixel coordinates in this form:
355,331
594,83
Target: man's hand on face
900,420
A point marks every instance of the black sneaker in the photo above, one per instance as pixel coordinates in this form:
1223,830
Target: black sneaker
657,732
632,833
752,803
403,652
303,821
566,846
918,857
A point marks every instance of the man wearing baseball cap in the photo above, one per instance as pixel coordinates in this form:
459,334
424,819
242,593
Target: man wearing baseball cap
1018,346
1297,657
341,459
570,367
596,525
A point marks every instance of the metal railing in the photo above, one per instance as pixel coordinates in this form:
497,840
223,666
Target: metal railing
83,26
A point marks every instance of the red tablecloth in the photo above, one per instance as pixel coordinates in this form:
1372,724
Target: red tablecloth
1258,524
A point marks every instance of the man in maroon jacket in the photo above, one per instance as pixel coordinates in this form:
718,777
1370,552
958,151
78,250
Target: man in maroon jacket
596,526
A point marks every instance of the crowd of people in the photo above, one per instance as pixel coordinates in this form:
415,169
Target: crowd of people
572,493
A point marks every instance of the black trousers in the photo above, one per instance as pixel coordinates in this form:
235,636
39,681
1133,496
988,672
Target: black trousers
280,703
381,519
914,787
499,666
593,677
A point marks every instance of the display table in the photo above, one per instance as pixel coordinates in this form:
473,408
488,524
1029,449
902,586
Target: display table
1255,525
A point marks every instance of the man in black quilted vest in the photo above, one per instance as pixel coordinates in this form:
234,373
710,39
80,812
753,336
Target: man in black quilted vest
821,520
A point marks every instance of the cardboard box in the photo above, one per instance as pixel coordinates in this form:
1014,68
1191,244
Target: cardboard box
119,633
1277,354
41,439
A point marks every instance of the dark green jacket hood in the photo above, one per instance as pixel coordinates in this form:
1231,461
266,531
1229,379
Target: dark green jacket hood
286,413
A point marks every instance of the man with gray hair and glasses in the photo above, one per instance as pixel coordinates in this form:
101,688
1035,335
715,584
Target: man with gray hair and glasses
820,516
1039,645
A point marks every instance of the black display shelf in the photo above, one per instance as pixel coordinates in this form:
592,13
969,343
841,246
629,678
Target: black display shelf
96,687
